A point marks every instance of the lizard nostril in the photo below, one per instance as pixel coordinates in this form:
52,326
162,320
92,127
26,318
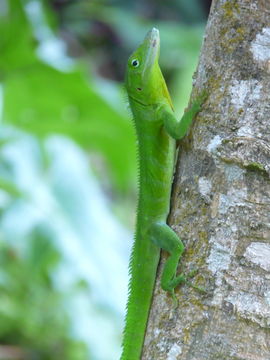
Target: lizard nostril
139,89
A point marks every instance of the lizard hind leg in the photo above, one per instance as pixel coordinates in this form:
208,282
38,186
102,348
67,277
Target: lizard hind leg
164,237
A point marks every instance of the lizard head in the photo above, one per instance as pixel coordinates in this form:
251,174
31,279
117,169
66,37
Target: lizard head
144,81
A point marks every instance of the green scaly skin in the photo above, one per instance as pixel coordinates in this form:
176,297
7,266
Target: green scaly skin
157,129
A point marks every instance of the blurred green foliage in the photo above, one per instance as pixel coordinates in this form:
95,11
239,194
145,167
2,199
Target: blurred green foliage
49,101
43,100
60,67
31,314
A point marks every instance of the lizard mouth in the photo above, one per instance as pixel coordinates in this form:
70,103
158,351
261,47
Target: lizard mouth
152,43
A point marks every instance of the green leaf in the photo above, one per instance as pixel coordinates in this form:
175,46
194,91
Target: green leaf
17,45
44,100
10,188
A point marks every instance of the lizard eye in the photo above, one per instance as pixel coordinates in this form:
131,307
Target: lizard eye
135,63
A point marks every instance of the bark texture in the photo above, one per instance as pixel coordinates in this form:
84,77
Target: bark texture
221,200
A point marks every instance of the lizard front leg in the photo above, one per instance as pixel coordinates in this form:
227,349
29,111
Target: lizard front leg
178,129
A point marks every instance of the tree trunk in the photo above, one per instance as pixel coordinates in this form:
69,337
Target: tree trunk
221,200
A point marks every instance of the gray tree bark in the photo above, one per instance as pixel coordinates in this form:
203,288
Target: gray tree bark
221,200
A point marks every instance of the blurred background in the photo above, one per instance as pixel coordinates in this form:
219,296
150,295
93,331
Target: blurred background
68,165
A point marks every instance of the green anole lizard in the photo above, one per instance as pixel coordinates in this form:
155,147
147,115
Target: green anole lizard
157,130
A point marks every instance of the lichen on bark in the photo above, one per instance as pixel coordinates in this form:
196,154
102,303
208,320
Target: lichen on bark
221,200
